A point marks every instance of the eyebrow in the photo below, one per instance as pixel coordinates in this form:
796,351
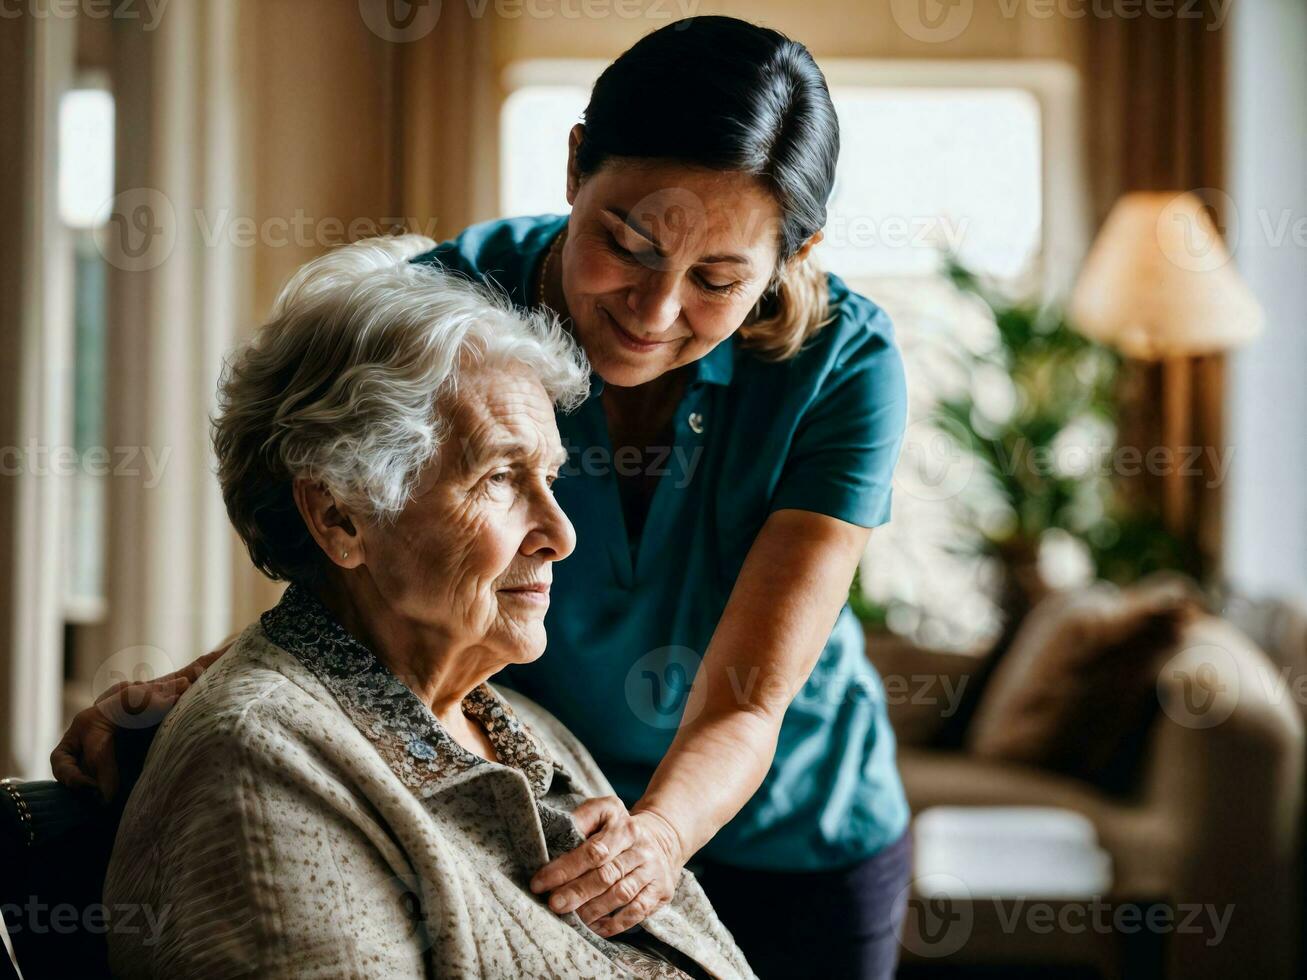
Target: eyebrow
727,257
516,451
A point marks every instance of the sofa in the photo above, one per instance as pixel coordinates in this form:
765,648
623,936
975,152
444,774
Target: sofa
1210,818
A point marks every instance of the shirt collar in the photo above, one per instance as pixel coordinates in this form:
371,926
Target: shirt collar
388,713
717,367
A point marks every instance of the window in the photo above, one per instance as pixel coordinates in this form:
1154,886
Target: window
85,186
923,169
979,159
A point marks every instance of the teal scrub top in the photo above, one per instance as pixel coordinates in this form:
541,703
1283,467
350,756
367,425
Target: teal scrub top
629,621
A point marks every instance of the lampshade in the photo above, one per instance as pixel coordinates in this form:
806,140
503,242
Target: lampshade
1159,282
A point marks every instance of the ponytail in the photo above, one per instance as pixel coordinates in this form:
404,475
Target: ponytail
790,313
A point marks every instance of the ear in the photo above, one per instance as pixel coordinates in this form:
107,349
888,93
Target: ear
330,524
813,241
574,139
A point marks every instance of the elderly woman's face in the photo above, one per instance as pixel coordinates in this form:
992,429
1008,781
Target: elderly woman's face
471,555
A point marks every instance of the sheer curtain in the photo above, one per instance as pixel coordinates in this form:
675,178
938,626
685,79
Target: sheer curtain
178,292
36,67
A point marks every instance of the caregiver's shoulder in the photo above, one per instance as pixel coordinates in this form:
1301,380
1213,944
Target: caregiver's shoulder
858,328
492,247
858,338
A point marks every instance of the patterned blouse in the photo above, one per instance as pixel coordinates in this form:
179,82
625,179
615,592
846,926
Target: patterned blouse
422,753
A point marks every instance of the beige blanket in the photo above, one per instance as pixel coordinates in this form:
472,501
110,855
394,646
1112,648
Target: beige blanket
299,817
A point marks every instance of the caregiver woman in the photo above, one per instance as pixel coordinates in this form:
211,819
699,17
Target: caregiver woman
738,447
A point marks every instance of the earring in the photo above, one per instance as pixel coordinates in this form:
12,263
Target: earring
345,553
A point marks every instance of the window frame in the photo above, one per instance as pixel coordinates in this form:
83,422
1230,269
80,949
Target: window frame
1055,86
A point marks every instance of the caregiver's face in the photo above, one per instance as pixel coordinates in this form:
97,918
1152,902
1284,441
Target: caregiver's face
663,262
471,555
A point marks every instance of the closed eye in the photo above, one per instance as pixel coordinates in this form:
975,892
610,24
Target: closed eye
723,288
621,251
615,246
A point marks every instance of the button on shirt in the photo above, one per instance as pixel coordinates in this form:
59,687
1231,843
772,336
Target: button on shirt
630,619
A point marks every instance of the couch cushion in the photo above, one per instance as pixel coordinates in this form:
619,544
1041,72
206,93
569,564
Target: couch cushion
1077,690
1008,852
1142,847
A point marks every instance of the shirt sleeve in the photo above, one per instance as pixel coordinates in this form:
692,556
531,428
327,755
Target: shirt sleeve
841,462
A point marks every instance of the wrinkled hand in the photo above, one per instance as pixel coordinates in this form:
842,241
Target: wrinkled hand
627,868
85,758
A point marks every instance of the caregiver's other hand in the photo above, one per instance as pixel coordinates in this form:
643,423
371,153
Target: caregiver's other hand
627,868
85,757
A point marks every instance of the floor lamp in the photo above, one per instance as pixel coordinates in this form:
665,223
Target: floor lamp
1159,285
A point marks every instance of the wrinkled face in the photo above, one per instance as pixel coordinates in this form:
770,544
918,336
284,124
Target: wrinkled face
471,555
663,262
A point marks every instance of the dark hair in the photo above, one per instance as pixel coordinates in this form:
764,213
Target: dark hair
724,94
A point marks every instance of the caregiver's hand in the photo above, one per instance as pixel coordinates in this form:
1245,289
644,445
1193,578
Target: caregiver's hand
85,758
627,868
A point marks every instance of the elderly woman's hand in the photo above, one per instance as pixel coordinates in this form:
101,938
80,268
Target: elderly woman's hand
627,868
85,757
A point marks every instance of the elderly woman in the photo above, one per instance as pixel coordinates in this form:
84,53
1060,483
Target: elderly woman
343,794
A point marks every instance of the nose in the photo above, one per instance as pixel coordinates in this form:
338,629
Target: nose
655,303
552,537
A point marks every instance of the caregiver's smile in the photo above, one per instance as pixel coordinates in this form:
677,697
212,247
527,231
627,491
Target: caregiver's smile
663,262
628,339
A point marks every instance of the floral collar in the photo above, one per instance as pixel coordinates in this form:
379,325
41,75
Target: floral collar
389,714
424,756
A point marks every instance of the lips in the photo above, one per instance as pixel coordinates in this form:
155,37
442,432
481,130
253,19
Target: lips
627,339
529,588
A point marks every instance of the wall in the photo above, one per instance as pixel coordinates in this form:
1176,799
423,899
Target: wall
1266,543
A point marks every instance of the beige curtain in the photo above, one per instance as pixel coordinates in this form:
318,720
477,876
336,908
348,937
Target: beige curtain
370,128
178,290
36,62
1155,107
447,123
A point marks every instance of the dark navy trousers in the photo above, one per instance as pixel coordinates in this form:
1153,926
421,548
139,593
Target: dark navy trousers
827,924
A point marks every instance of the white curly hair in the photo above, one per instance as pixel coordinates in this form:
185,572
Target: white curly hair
345,385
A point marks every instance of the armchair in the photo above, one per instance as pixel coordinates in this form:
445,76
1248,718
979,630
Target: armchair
1214,819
